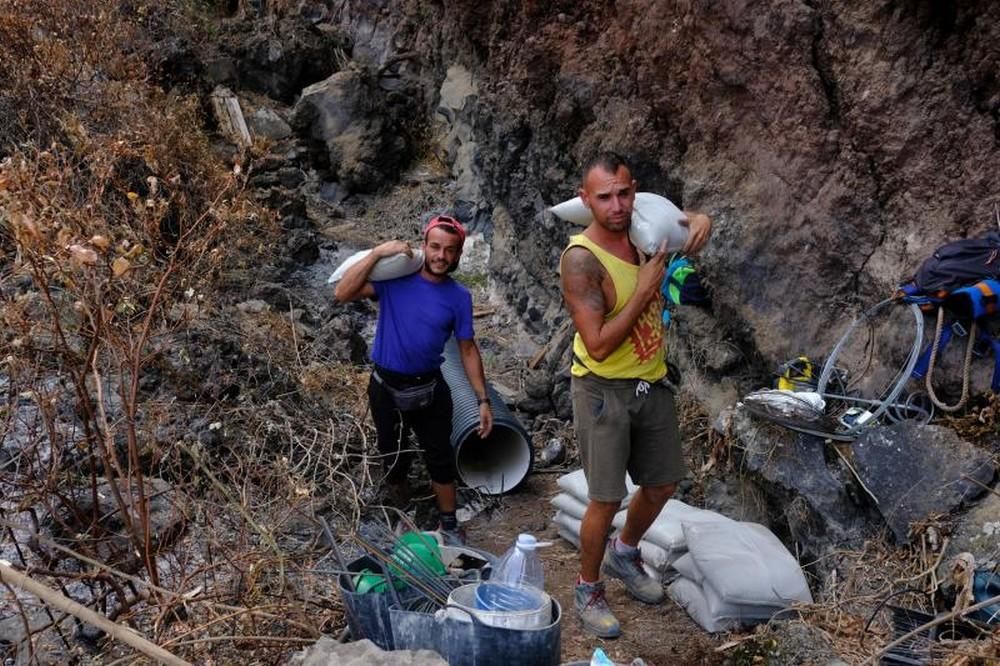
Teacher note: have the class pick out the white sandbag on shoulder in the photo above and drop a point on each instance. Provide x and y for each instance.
(575, 483)
(569, 505)
(387, 268)
(709, 610)
(654, 219)
(667, 530)
(573, 211)
(746, 564)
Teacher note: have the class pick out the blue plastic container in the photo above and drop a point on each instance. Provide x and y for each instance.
(500, 597)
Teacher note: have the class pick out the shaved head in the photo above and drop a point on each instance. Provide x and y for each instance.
(607, 160)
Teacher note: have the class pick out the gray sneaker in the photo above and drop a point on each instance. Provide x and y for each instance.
(594, 612)
(628, 569)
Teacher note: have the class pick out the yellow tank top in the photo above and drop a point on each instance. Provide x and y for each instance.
(642, 354)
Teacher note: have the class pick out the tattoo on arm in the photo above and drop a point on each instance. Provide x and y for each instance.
(582, 277)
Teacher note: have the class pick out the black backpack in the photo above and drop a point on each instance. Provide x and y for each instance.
(952, 266)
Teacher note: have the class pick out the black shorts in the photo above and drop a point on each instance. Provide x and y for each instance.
(431, 425)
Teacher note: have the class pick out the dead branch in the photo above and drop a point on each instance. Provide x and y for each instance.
(49, 596)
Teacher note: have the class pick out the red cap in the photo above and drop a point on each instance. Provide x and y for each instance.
(449, 223)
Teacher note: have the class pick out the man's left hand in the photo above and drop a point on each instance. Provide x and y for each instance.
(485, 421)
(699, 231)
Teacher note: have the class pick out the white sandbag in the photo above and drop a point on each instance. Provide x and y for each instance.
(708, 609)
(667, 530)
(569, 505)
(575, 483)
(746, 564)
(572, 538)
(568, 522)
(387, 268)
(657, 558)
(688, 568)
(573, 211)
(654, 219)
(689, 596)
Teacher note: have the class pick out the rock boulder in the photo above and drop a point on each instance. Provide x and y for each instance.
(916, 471)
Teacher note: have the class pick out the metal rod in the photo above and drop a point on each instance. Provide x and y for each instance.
(415, 581)
(352, 618)
(434, 579)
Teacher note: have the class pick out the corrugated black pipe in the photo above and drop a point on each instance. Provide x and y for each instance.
(500, 462)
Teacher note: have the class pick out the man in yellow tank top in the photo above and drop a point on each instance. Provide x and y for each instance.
(623, 413)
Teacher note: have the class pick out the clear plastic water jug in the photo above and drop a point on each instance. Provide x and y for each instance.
(517, 582)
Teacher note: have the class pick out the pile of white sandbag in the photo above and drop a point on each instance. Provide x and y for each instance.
(725, 573)
(572, 502)
(734, 574)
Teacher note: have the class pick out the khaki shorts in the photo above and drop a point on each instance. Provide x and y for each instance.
(626, 425)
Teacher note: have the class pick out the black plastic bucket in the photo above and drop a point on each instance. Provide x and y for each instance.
(368, 613)
(477, 644)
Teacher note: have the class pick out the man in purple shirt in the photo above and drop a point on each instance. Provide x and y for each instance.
(417, 315)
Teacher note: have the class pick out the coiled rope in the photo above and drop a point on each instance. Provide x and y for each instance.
(966, 368)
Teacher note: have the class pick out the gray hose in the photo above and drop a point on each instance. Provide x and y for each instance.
(899, 382)
(500, 462)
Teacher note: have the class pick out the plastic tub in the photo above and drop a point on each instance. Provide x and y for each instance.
(464, 599)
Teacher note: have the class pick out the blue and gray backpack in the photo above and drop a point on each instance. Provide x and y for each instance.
(962, 278)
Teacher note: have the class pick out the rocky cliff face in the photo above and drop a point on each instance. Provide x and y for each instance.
(835, 145)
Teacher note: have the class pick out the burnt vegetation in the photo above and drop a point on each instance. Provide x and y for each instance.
(136, 477)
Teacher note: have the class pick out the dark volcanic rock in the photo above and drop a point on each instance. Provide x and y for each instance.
(302, 246)
(342, 341)
(535, 405)
(917, 471)
(835, 144)
(107, 533)
(538, 384)
(806, 485)
(279, 60)
(346, 114)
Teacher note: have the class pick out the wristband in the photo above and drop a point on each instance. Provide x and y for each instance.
(483, 401)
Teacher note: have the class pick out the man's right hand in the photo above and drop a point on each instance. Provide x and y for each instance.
(391, 248)
(651, 272)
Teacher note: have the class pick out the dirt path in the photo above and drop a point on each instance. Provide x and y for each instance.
(662, 635)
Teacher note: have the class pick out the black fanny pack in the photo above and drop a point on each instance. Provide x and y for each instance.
(409, 398)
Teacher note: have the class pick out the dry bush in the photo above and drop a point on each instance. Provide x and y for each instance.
(117, 224)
